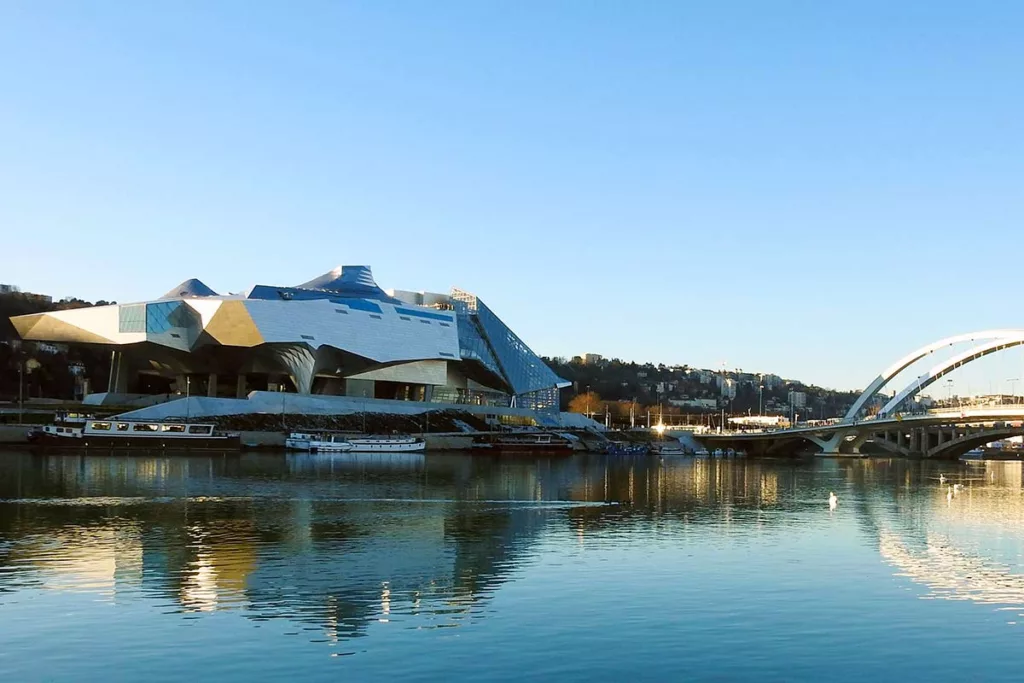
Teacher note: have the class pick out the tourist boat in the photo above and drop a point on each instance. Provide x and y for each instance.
(387, 444)
(532, 443)
(117, 434)
(670, 449)
(317, 443)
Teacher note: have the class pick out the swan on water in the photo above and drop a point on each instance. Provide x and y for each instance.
(833, 500)
(942, 478)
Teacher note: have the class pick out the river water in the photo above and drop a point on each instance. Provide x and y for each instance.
(455, 567)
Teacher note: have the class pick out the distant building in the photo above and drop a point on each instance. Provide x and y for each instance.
(798, 399)
(592, 358)
(770, 381)
(728, 388)
(15, 290)
(694, 403)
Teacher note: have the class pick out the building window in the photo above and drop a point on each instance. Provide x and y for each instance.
(341, 310)
(445, 325)
(402, 317)
(306, 336)
(375, 316)
(425, 322)
(131, 319)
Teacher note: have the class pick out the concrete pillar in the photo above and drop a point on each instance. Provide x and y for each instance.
(240, 387)
(119, 370)
(211, 385)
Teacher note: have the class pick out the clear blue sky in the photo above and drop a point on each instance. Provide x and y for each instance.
(808, 188)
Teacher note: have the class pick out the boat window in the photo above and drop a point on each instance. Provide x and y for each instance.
(199, 429)
(172, 428)
(101, 426)
(122, 426)
(145, 428)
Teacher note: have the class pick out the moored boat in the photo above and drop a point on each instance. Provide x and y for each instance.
(387, 444)
(317, 443)
(623, 448)
(532, 443)
(112, 433)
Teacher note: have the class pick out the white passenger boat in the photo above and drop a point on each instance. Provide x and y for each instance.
(387, 444)
(115, 433)
(317, 443)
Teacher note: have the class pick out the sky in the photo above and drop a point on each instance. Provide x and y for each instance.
(805, 188)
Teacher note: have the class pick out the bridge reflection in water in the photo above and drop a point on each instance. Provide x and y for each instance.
(337, 543)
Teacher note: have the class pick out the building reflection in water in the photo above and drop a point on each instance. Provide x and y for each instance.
(343, 542)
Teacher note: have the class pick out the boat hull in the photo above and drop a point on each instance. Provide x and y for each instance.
(387, 447)
(560, 449)
(136, 443)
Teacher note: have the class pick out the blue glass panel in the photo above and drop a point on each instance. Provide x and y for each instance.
(359, 305)
(158, 316)
(424, 314)
(131, 318)
(471, 344)
(267, 292)
(524, 369)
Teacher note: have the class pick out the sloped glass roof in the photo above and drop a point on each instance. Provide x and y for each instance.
(189, 288)
(349, 281)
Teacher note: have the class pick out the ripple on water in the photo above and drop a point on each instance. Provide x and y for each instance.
(476, 568)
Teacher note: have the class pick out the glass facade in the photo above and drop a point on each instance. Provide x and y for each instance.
(162, 317)
(471, 343)
(483, 335)
(471, 397)
(131, 318)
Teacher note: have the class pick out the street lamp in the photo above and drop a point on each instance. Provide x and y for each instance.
(21, 387)
(760, 399)
(1013, 383)
(588, 400)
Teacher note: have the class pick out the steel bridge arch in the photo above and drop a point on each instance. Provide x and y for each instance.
(998, 340)
(937, 372)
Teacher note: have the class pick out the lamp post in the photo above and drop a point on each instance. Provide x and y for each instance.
(588, 400)
(1013, 383)
(21, 388)
(760, 400)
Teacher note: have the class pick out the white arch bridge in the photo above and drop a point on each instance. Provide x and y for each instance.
(937, 434)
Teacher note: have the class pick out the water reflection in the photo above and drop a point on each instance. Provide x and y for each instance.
(336, 543)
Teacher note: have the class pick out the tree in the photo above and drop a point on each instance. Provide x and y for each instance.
(586, 403)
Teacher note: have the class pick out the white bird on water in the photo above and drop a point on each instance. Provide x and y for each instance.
(942, 478)
(833, 500)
